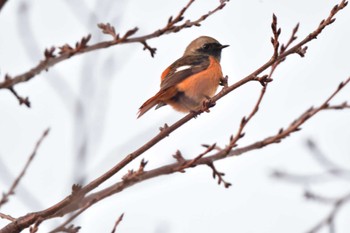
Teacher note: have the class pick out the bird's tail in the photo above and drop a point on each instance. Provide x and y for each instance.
(150, 103)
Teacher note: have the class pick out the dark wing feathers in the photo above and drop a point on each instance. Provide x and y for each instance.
(196, 63)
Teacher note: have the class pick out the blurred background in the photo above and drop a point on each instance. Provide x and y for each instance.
(90, 103)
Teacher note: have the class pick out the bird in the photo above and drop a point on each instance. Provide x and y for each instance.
(191, 80)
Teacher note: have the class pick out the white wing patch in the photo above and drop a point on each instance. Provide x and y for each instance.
(185, 67)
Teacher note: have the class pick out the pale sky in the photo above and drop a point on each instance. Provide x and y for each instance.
(111, 84)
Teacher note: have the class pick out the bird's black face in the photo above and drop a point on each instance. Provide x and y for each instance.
(212, 49)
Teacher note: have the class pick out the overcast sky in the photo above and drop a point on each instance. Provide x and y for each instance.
(91, 102)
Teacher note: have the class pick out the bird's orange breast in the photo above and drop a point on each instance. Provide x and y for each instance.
(203, 84)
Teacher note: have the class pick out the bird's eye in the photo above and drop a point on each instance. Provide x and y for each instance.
(205, 46)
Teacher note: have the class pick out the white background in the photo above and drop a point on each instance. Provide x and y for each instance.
(111, 84)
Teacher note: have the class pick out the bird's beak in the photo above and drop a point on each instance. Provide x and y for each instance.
(223, 46)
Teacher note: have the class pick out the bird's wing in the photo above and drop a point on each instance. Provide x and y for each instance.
(183, 68)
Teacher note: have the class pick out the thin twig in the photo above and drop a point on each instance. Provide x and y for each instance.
(192, 162)
(323, 160)
(66, 51)
(77, 197)
(175, 167)
(329, 219)
(2, 3)
(117, 222)
(8, 217)
(5, 196)
(219, 175)
(342, 106)
(321, 177)
(70, 219)
(245, 121)
(20, 99)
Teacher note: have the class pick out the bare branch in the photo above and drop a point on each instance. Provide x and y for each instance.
(149, 48)
(329, 219)
(323, 160)
(276, 33)
(179, 158)
(8, 217)
(35, 227)
(168, 169)
(117, 222)
(244, 122)
(5, 196)
(221, 154)
(71, 228)
(219, 175)
(342, 106)
(296, 49)
(67, 51)
(192, 162)
(109, 30)
(20, 99)
(2, 3)
(78, 198)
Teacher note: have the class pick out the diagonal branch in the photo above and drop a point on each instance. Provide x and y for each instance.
(117, 223)
(8, 217)
(63, 226)
(245, 121)
(66, 51)
(2, 3)
(20, 99)
(5, 196)
(75, 199)
(329, 166)
(329, 219)
(221, 154)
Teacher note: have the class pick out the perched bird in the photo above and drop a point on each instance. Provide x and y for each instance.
(191, 79)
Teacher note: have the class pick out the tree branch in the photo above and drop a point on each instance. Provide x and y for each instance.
(2, 3)
(221, 154)
(117, 223)
(66, 51)
(5, 196)
(77, 197)
(8, 217)
(329, 219)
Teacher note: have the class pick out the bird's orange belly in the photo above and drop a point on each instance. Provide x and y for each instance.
(196, 89)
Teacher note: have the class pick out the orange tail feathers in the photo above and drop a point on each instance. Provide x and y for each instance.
(150, 103)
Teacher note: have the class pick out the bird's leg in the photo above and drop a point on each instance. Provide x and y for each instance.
(196, 113)
(223, 81)
(207, 103)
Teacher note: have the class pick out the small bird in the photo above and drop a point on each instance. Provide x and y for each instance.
(191, 79)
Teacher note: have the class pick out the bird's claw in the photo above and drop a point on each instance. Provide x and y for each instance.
(206, 104)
